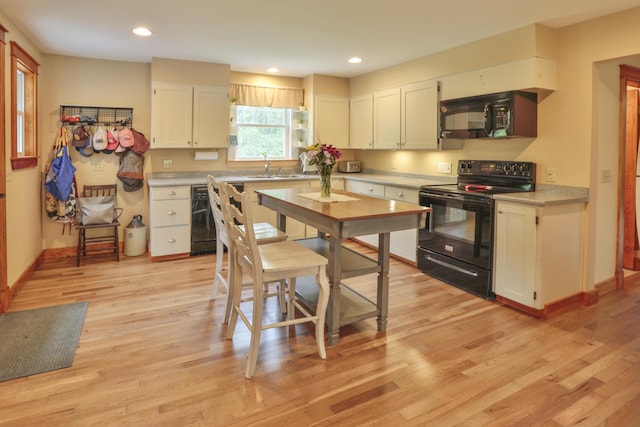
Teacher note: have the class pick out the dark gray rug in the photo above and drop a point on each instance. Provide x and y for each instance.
(39, 340)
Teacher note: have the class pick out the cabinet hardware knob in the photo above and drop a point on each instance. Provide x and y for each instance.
(370, 189)
(499, 212)
(171, 240)
(171, 213)
(171, 193)
(400, 195)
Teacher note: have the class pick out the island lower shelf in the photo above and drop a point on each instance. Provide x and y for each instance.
(353, 306)
(352, 263)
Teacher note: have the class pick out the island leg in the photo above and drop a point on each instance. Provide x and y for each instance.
(384, 240)
(334, 273)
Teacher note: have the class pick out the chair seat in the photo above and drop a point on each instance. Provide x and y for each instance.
(288, 256)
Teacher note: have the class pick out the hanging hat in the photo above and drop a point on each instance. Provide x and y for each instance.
(125, 136)
(140, 142)
(87, 150)
(112, 139)
(99, 139)
(80, 137)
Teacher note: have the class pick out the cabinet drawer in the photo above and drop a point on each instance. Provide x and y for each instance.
(170, 240)
(170, 193)
(368, 188)
(170, 212)
(402, 194)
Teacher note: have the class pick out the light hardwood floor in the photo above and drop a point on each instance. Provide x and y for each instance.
(152, 353)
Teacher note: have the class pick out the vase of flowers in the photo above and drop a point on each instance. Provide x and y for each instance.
(324, 157)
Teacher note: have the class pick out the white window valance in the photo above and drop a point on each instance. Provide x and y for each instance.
(264, 96)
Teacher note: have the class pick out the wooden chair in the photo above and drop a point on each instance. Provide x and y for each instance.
(102, 241)
(265, 233)
(266, 263)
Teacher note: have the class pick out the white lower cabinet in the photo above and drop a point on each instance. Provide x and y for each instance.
(538, 252)
(170, 220)
(403, 243)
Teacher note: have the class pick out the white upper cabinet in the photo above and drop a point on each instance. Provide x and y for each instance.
(401, 118)
(361, 122)
(187, 116)
(331, 120)
(419, 116)
(210, 116)
(386, 119)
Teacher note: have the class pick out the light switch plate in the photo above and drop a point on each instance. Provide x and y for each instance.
(444, 167)
(167, 164)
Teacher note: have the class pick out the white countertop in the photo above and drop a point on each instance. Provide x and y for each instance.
(544, 194)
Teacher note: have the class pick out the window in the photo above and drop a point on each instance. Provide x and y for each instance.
(24, 83)
(262, 131)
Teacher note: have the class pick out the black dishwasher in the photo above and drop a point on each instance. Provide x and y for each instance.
(203, 227)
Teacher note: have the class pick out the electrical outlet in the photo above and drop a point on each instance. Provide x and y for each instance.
(167, 164)
(97, 166)
(551, 175)
(393, 164)
(444, 167)
(606, 176)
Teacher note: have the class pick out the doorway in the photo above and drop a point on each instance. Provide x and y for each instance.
(4, 286)
(629, 182)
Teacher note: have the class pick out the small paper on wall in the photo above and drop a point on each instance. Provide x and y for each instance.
(206, 155)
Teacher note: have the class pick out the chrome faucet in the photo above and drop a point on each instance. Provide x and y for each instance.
(266, 169)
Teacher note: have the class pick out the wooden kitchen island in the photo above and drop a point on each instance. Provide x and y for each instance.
(345, 215)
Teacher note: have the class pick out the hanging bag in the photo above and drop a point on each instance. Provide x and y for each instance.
(98, 210)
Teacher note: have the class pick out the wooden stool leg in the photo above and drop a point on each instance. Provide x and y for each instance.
(236, 289)
(218, 273)
(80, 238)
(321, 309)
(116, 238)
(256, 329)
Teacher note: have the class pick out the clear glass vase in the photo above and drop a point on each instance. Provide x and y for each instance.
(325, 185)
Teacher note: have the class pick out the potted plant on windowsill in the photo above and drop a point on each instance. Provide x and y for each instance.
(302, 123)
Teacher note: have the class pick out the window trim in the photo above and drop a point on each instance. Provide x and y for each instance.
(20, 59)
(289, 136)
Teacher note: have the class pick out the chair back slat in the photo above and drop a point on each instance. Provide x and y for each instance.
(240, 225)
(213, 187)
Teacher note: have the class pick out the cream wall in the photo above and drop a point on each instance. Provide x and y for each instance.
(23, 187)
(91, 82)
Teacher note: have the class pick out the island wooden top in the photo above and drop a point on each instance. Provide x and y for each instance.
(362, 208)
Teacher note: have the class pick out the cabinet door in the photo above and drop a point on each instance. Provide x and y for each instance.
(515, 252)
(361, 122)
(171, 115)
(419, 114)
(331, 121)
(210, 116)
(404, 243)
(386, 119)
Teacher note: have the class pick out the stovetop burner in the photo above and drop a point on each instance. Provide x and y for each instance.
(488, 177)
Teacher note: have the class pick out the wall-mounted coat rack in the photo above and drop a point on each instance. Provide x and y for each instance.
(76, 114)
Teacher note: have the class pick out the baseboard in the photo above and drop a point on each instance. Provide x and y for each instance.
(552, 309)
(14, 290)
(606, 286)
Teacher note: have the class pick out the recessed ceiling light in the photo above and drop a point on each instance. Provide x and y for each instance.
(355, 60)
(142, 31)
(273, 70)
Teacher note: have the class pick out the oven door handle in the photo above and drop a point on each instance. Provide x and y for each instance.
(451, 266)
(441, 196)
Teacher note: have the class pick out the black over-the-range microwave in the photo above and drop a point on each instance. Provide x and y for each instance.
(498, 115)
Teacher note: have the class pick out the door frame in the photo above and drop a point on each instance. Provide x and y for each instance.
(4, 286)
(629, 76)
